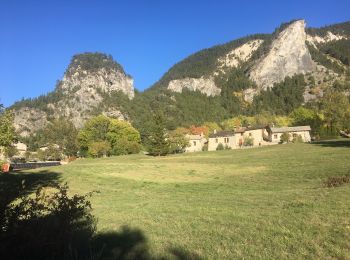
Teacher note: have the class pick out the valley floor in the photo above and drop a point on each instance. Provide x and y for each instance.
(269, 202)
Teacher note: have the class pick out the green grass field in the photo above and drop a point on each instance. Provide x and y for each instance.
(267, 202)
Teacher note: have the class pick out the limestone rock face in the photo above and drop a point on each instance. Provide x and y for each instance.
(113, 113)
(86, 90)
(204, 85)
(28, 119)
(240, 54)
(327, 38)
(103, 79)
(88, 80)
(288, 56)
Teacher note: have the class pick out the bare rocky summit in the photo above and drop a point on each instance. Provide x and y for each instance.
(288, 56)
(85, 84)
(234, 73)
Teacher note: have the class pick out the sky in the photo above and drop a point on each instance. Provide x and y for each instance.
(38, 38)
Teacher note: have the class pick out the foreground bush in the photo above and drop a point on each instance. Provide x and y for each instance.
(52, 225)
(47, 225)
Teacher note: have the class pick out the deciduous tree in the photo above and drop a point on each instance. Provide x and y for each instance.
(7, 129)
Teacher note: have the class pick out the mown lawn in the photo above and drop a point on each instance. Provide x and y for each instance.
(267, 202)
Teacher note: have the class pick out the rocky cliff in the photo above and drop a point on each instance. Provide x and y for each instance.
(288, 55)
(87, 81)
(221, 78)
(204, 85)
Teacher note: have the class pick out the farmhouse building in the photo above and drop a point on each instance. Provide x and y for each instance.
(47, 146)
(274, 133)
(226, 138)
(196, 143)
(256, 136)
(21, 148)
(254, 133)
(239, 137)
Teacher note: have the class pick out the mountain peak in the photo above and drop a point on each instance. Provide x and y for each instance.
(98, 71)
(288, 55)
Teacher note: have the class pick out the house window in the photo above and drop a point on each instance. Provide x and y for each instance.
(275, 136)
(216, 140)
(194, 143)
(226, 139)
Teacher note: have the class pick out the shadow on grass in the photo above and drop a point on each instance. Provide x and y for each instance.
(14, 185)
(62, 226)
(334, 143)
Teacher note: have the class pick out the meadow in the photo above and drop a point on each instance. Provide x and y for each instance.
(266, 202)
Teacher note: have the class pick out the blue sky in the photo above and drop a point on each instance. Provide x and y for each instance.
(38, 38)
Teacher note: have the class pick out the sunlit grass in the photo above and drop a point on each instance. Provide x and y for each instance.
(267, 202)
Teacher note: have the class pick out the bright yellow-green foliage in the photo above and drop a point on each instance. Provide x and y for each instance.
(263, 119)
(211, 127)
(267, 202)
(98, 149)
(337, 110)
(102, 135)
(7, 130)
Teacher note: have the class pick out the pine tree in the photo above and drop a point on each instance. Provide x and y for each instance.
(158, 143)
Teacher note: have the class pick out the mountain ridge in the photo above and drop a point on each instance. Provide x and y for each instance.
(215, 79)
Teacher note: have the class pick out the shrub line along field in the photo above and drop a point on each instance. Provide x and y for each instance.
(268, 202)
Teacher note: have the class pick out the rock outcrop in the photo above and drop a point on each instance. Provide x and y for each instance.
(204, 85)
(28, 120)
(314, 40)
(240, 54)
(288, 56)
(88, 80)
(102, 79)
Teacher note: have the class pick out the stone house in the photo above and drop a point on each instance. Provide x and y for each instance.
(255, 133)
(45, 147)
(237, 138)
(226, 138)
(274, 133)
(21, 148)
(196, 143)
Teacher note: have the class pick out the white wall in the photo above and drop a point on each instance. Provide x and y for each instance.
(225, 141)
(305, 135)
(195, 146)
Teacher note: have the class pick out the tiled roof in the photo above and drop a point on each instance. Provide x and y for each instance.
(195, 137)
(240, 130)
(222, 134)
(290, 129)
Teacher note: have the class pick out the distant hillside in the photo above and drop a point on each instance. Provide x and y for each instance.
(88, 80)
(274, 72)
(234, 78)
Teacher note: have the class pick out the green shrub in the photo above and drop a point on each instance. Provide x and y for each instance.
(297, 139)
(285, 138)
(205, 147)
(248, 141)
(49, 225)
(99, 149)
(227, 147)
(220, 147)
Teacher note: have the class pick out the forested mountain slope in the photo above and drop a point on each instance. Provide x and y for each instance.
(274, 72)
